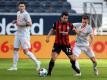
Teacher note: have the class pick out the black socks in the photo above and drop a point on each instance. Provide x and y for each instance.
(51, 65)
(74, 66)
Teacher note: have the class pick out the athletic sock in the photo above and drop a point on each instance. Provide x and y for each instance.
(94, 64)
(74, 66)
(15, 58)
(31, 56)
(51, 65)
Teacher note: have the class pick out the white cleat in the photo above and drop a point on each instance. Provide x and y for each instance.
(38, 64)
(78, 74)
(12, 69)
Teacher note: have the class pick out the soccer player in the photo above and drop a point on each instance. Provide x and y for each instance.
(61, 27)
(22, 37)
(84, 41)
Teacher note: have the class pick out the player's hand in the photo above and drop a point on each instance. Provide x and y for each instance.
(77, 30)
(47, 39)
(20, 24)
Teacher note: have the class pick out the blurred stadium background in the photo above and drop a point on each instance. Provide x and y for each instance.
(44, 13)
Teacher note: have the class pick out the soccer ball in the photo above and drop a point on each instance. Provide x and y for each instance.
(43, 72)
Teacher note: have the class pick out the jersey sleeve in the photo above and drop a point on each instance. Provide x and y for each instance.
(54, 26)
(90, 31)
(27, 18)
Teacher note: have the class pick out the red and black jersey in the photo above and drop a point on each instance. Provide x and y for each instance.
(62, 32)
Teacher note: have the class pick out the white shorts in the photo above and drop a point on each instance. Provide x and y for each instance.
(77, 51)
(24, 42)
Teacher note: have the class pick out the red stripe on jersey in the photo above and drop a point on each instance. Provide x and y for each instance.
(61, 33)
(57, 35)
(63, 36)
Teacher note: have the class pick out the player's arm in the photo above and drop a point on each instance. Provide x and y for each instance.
(49, 34)
(28, 21)
(75, 28)
(91, 36)
(91, 40)
(76, 31)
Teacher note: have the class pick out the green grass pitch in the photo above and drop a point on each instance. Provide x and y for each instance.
(62, 70)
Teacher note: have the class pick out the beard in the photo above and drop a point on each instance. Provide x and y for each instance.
(64, 22)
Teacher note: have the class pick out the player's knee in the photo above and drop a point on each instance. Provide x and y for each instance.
(53, 59)
(93, 59)
(25, 51)
(70, 57)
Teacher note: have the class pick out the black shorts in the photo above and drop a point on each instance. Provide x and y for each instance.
(65, 48)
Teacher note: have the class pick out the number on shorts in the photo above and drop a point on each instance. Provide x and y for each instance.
(68, 50)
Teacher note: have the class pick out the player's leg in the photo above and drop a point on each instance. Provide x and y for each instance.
(72, 58)
(76, 51)
(91, 55)
(55, 52)
(26, 45)
(77, 66)
(16, 55)
(52, 62)
(93, 59)
(32, 56)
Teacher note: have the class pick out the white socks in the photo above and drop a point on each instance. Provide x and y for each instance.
(15, 58)
(31, 56)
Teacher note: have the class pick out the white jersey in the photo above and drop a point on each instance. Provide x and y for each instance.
(82, 37)
(23, 18)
